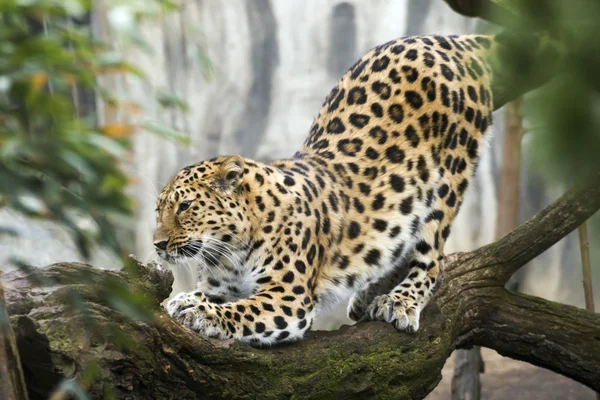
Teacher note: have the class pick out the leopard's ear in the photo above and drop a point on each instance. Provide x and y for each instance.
(229, 175)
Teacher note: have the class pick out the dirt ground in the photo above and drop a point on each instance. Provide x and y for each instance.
(505, 379)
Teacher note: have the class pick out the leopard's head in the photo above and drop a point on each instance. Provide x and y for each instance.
(202, 214)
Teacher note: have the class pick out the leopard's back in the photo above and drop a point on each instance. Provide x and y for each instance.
(402, 131)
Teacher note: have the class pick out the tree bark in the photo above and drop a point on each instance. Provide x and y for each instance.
(12, 385)
(160, 359)
(537, 331)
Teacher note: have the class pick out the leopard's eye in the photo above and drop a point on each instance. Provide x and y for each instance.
(183, 206)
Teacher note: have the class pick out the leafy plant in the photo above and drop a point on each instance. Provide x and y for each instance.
(565, 113)
(56, 161)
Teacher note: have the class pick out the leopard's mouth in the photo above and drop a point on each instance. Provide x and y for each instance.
(206, 253)
(189, 250)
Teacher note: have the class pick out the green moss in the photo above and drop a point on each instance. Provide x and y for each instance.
(60, 336)
(327, 377)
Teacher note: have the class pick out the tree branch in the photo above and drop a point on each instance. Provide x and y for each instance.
(555, 336)
(166, 360)
(161, 359)
(503, 258)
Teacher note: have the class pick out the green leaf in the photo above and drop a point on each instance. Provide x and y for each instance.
(78, 163)
(134, 36)
(112, 147)
(130, 303)
(116, 61)
(207, 68)
(90, 373)
(169, 100)
(33, 205)
(166, 132)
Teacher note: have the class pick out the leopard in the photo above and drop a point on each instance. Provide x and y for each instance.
(361, 211)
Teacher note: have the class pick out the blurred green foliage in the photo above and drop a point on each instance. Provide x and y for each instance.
(56, 162)
(565, 114)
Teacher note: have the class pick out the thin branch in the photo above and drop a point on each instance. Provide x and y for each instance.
(510, 174)
(588, 291)
(584, 246)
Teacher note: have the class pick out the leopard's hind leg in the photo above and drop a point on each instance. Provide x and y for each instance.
(360, 301)
(402, 306)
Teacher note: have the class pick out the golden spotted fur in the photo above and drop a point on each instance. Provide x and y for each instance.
(373, 190)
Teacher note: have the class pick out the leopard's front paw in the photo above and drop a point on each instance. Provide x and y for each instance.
(357, 308)
(395, 310)
(180, 303)
(194, 312)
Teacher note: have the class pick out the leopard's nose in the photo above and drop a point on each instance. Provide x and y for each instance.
(161, 245)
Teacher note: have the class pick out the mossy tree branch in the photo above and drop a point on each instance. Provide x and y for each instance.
(160, 359)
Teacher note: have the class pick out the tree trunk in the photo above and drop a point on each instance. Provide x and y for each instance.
(466, 384)
(469, 364)
(162, 360)
(510, 175)
(12, 385)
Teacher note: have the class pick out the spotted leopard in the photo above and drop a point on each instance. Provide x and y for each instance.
(373, 190)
